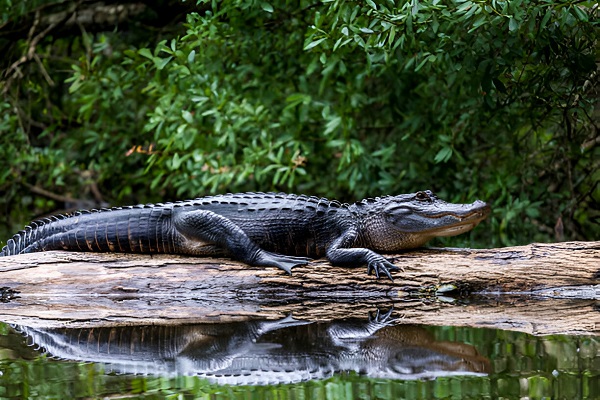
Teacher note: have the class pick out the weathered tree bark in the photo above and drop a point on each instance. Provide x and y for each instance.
(539, 289)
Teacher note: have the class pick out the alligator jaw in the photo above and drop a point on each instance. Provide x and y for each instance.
(478, 214)
(455, 229)
(462, 223)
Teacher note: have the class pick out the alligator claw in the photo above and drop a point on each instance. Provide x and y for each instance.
(382, 319)
(281, 261)
(382, 266)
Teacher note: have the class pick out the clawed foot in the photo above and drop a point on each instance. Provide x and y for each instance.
(382, 266)
(286, 263)
(381, 320)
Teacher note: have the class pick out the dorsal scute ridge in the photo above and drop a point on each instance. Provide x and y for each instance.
(199, 201)
(372, 200)
(245, 199)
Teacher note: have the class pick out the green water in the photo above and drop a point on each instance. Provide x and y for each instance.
(521, 366)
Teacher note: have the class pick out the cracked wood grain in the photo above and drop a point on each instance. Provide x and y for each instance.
(539, 289)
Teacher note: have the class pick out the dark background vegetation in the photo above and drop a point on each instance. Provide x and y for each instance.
(108, 103)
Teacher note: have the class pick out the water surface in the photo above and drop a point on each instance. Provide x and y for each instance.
(375, 358)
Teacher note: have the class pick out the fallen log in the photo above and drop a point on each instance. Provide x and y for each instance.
(538, 289)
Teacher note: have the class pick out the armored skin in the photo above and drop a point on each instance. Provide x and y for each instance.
(261, 229)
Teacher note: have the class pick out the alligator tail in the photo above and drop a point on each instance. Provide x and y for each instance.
(24, 240)
(135, 229)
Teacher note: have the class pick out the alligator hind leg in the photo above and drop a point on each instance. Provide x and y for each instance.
(203, 228)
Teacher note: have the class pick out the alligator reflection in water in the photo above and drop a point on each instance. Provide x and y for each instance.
(265, 352)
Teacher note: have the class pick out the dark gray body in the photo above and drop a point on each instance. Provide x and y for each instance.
(264, 229)
(265, 352)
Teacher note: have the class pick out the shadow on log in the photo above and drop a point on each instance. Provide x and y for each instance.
(538, 289)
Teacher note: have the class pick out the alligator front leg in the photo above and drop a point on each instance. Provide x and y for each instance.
(340, 253)
(204, 229)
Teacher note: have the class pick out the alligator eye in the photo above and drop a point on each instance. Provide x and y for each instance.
(422, 196)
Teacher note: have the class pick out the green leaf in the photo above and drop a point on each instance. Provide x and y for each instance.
(146, 53)
(465, 7)
(546, 18)
(266, 6)
(430, 58)
(333, 124)
(298, 98)
(77, 82)
(579, 13)
(479, 22)
(176, 161)
(313, 44)
(187, 116)
(160, 63)
(443, 155)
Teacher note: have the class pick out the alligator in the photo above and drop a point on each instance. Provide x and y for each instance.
(264, 352)
(260, 229)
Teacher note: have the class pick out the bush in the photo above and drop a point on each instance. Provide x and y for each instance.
(497, 101)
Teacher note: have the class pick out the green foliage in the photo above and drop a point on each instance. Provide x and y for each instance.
(493, 100)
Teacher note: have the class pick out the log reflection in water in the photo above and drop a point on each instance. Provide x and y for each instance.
(265, 352)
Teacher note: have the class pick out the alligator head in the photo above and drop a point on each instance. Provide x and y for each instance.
(410, 220)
